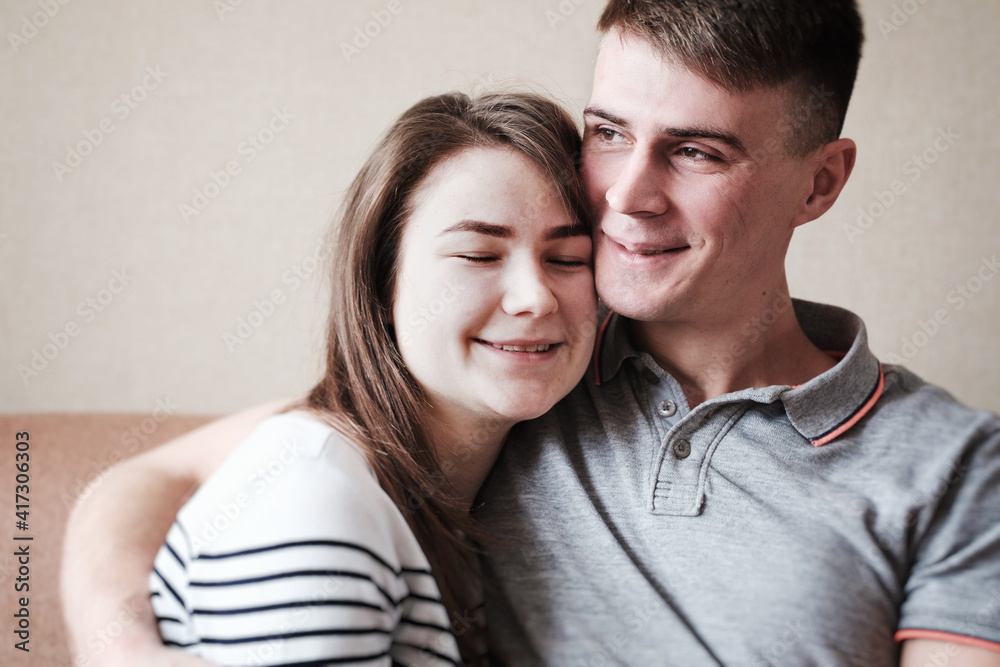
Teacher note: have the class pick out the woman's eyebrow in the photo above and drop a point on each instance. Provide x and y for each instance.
(567, 231)
(507, 232)
(480, 227)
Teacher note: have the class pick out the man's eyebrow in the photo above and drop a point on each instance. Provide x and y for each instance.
(695, 132)
(506, 232)
(606, 115)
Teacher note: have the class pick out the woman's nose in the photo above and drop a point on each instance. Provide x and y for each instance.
(528, 292)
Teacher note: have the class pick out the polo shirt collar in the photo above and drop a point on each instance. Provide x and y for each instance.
(821, 409)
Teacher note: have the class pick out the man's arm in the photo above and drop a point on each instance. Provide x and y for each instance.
(113, 535)
(923, 652)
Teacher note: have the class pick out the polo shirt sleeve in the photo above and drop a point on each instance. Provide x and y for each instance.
(953, 591)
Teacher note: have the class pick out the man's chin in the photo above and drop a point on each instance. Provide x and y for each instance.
(637, 304)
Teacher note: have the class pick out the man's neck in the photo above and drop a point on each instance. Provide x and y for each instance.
(759, 346)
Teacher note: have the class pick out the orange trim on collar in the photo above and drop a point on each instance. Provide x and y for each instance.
(597, 349)
(902, 635)
(857, 415)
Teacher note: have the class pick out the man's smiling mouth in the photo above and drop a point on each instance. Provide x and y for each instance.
(646, 250)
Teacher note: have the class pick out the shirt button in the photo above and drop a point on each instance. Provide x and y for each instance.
(649, 376)
(667, 409)
(682, 449)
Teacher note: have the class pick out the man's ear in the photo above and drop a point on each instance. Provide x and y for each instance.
(832, 167)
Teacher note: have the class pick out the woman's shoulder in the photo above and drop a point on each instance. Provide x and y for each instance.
(298, 478)
(296, 534)
(291, 443)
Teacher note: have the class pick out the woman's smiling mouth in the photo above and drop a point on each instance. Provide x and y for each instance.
(519, 346)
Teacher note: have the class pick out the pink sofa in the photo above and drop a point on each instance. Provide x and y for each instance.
(66, 453)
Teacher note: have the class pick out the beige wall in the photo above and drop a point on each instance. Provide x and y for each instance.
(161, 337)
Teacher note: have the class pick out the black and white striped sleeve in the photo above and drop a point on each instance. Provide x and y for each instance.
(302, 562)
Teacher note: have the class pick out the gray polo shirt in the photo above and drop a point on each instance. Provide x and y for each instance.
(780, 525)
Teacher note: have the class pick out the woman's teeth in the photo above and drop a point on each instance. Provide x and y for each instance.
(522, 348)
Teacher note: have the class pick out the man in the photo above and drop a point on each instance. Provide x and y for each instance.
(738, 481)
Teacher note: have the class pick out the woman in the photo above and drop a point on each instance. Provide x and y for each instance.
(463, 303)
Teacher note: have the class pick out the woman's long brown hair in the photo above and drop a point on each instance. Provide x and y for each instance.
(366, 391)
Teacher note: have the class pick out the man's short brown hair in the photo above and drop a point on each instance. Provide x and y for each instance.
(810, 46)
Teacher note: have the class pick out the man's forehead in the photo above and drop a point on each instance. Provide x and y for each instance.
(633, 78)
(638, 55)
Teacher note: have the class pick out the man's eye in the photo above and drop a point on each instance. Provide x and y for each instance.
(608, 134)
(695, 154)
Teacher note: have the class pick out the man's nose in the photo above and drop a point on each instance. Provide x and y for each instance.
(637, 189)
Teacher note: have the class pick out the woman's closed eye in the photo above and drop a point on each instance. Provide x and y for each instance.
(478, 258)
(570, 262)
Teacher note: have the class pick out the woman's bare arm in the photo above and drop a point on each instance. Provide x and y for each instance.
(113, 535)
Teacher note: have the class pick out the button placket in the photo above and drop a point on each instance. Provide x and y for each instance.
(666, 408)
(679, 469)
(685, 457)
(678, 460)
(682, 449)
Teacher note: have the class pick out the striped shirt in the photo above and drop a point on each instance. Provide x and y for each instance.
(292, 554)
